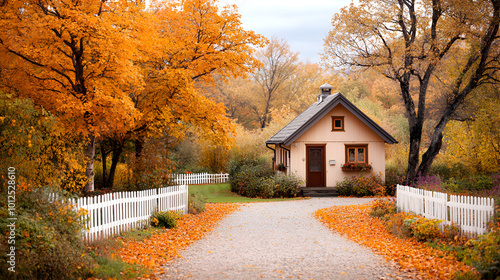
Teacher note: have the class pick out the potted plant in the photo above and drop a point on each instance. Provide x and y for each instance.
(351, 166)
(281, 167)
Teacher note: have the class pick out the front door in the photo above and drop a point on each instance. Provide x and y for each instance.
(315, 166)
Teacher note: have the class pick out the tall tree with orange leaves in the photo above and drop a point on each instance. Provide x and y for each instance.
(194, 40)
(76, 59)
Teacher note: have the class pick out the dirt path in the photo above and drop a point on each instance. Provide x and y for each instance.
(274, 240)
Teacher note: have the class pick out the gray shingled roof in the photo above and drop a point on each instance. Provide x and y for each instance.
(318, 110)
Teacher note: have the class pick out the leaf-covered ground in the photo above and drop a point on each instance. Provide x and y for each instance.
(155, 251)
(413, 257)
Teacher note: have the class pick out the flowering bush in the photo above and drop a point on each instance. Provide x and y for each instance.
(429, 182)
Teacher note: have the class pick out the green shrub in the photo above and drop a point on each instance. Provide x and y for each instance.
(254, 177)
(239, 162)
(196, 203)
(166, 219)
(473, 184)
(382, 208)
(393, 176)
(484, 254)
(445, 172)
(246, 175)
(263, 188)
(409, 225)
(423, 229)
(361, 186)
(48, 242)
(286, 186)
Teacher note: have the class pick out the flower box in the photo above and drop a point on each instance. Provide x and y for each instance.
(356, 167)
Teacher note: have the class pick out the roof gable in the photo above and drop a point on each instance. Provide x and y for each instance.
(317, 111)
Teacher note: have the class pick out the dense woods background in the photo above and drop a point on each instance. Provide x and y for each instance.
(108, 95)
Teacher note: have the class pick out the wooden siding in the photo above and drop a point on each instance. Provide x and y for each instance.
(356, 132)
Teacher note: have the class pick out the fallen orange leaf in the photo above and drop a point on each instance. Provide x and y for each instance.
(355, 223)
(157, 250)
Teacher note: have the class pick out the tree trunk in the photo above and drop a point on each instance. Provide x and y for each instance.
(139, 146)
(414, 154)
(89, 172)
(115, 158)
(432, 152)
(104, 155)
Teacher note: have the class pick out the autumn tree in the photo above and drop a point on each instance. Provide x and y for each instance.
(194, 40)
(304, 85)
(281, 81)
(77, 60)
(236, 95)
(279, 64)
(474, 140)
(39, 147)
(415, 43)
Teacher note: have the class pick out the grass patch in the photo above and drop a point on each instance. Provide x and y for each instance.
(115, 268)
(221, 193)
(109, 265)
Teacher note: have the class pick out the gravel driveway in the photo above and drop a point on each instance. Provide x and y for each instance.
(274, 240)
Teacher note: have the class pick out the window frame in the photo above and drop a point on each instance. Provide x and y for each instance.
(357, 147)
(341, 118)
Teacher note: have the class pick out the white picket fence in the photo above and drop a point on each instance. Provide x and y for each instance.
(471, 213)
(199, 178)
(113, 213)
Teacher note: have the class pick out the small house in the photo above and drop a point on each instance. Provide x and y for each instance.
(329, 141)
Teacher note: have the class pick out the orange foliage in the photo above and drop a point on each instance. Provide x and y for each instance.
(355, 223)
(157, 250)
(75, 59)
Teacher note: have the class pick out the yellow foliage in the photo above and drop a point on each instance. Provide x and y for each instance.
(476, 141)
(39, 148)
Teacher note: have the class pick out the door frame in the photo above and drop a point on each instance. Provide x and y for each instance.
(323, 163)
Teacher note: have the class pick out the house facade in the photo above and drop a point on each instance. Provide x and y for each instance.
(329, 141)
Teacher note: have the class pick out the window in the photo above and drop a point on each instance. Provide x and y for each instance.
(337, 123)
(357, 154)
(284, 156)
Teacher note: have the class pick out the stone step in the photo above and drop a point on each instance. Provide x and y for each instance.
(319, 192)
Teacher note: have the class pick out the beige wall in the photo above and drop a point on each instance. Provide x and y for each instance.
(356, 132)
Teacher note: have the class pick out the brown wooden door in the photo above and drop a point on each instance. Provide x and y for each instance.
(315, 166)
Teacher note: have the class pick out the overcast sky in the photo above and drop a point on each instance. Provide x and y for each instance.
(302, 23)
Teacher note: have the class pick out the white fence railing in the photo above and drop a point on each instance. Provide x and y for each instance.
(113, 213)
(471, 213)
(199, 178)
